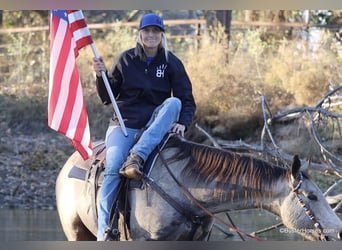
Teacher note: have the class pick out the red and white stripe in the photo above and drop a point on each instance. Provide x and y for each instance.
(66, 107)
(80, 30)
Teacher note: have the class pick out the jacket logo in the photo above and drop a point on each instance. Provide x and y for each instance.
(161, 70)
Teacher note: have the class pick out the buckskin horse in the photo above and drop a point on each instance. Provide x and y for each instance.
(190, 183)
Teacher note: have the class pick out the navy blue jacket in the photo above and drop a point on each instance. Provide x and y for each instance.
(139, 88)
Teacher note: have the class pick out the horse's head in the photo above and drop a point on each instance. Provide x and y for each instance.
(306, 211)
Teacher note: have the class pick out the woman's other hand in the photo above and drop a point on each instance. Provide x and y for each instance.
(178, 129)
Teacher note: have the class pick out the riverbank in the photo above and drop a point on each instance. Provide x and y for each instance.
(29, 166)
(28, 173)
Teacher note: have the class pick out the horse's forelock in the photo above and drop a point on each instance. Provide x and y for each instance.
(226, 168)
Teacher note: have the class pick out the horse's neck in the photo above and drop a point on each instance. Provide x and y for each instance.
(272, 201)
(220, 197)
(237, 197)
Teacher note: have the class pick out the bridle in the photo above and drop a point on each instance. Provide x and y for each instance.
(297, 183)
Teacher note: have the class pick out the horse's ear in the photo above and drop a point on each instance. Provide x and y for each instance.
(295, 166)
(305, 167)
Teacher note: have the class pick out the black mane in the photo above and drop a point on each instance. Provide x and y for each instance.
(208, 164)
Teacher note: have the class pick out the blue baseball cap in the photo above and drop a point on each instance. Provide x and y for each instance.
(151, 19)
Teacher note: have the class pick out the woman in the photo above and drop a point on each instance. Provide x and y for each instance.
(154, 93)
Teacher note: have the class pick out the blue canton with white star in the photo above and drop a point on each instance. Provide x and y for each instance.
(61, 14)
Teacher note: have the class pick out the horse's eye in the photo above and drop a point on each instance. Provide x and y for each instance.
(312, 196)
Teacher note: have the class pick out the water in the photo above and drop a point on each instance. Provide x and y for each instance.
(30, 225)
(253, 220)
(41, 225)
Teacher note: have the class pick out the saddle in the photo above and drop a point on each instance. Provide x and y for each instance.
(92, 174)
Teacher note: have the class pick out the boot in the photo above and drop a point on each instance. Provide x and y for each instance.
(133, 167)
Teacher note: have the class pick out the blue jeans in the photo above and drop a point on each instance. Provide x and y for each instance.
(118, 147)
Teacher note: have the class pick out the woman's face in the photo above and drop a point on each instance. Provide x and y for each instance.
(151, 36)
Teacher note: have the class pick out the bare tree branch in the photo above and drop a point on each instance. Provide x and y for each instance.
(268, 229)
(213, 141)
(317, 114)
(332, 187)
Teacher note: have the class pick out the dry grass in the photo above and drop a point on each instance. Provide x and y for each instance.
(228, 82)
(228, 79)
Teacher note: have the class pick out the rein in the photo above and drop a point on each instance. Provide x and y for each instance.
(308, 212)
(198, 204)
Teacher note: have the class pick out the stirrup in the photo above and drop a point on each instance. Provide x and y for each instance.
(131, 172)
(112, 234)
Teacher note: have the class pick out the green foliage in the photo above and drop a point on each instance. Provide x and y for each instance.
(324, 181)
(25, 18)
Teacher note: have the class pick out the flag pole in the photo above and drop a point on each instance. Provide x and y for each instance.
(110, 93)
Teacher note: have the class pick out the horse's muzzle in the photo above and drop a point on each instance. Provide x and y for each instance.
(332, 238)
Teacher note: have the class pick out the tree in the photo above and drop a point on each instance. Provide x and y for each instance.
(216, 17)
(225, 17)
(0, 19)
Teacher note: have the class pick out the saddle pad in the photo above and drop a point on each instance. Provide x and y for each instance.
(77, 173)
(82, 172)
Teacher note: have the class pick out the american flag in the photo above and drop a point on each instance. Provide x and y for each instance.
(67, 112)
